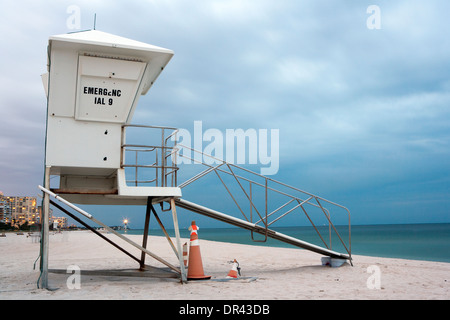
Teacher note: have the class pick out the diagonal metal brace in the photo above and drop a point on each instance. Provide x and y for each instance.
(87, 215)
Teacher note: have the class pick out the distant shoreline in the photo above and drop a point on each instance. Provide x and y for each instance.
(422, 242)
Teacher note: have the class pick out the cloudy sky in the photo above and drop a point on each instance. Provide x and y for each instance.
(363, 113)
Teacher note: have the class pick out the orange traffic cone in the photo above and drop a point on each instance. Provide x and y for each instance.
(234, 270)
(185, 254)
(195, 267)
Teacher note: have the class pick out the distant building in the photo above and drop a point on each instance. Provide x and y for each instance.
(5, 210)
(59, 222)
(18, 210)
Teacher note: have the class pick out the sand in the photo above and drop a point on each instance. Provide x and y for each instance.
(268, 273)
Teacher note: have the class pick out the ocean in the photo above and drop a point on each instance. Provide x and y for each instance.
(430, 242)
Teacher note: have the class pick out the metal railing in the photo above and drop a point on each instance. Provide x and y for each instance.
(294, 199)
(160, 162)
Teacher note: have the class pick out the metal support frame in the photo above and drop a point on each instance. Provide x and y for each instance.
(177, 233)
(146, 225)
(93, 230)
(45, 216)
(180, 271)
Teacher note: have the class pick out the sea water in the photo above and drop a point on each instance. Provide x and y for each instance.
(407, 241)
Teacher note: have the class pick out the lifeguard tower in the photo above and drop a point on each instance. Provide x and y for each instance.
(93, 86)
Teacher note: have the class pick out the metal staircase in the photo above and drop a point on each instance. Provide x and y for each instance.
(259, 200)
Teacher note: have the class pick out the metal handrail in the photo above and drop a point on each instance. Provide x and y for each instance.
(163, 169)
(264, 218)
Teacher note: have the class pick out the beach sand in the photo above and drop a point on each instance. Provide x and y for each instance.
(281, 273)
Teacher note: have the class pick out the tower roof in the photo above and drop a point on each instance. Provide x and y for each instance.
(95, 37)
(113, 46)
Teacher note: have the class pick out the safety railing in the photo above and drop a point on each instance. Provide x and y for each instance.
(153, 162)
(252, 185)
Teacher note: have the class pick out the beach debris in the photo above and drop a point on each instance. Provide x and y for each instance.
(195, 269)
(235, 274)
(235, 270)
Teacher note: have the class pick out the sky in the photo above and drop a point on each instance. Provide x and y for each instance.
(360, 97)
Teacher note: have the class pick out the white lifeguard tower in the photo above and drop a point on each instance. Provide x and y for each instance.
(93, 86)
